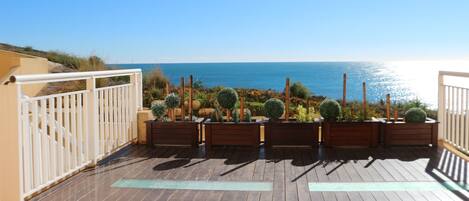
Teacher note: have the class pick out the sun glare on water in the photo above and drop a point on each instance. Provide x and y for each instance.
(421, 77)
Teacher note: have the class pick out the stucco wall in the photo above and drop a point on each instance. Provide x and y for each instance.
(12, 63)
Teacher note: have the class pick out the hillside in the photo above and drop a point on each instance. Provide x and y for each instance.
(76, 63)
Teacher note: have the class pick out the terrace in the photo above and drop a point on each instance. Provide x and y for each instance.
(82, 146)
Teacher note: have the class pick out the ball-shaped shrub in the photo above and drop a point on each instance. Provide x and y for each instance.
(330, 109)
(274, 108)
(415, 115)
(158, 110)
(172, 100)
(227, 98)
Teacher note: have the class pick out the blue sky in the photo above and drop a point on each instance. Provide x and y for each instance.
(134, 31)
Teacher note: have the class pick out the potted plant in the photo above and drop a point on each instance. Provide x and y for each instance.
(302, 131)
(414, 129)
(230, 131)
(347, 130)
(166, 129)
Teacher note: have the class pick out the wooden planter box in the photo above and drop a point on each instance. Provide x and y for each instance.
(228, 133)
(351, 134)
(173, 133)
(291, 134)
(401, 133)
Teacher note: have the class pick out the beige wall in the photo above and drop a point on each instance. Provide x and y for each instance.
(8, 61)
(142, 116)
(12, 63)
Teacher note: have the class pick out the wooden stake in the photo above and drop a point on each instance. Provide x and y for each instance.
(388, 107)
(228, 115)
(241, 109)
(396, 114)
(307, 106)
(190, 98)
(364, 100)
(166, 90)
(344, 95)
(183, 112)
(287, 99)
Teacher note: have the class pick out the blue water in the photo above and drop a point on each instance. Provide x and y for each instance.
(322, 78)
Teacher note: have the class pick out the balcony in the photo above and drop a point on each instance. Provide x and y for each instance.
(82, 145)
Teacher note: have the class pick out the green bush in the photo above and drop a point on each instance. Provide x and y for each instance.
(216, 116)
(305, 114)
(203, 99)
(155, 79)
(236, 116)
(227, 98)
(330, 110)
(274, 108)
(64, 59)
(158, 110)
(299, 90)
(247, 115)
(256, 108)
(415, 115)
(172, 100)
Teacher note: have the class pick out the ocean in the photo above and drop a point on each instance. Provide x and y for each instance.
(403, 80)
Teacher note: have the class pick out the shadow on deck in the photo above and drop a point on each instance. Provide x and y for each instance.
(291, 172)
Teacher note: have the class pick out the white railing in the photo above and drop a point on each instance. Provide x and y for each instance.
(60, 134)
(453, 109)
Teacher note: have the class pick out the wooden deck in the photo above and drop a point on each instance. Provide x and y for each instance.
(289, 170)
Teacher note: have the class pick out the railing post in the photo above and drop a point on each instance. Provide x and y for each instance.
(136, 101)
(11, 177)
(93, 132)
(441, 106)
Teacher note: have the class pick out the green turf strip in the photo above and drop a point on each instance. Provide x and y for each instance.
(386, 186)
(193, 185)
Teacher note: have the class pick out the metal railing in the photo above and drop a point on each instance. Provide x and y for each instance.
(60, 134)
(453, 110)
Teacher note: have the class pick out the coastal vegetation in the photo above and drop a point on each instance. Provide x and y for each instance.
(154, 86)
(302, 99)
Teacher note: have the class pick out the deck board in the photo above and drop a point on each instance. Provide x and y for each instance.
(289, 170)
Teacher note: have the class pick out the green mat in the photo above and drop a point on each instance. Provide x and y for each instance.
(386, 186)
(193, 185)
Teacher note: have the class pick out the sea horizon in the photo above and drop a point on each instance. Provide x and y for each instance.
(404, 80)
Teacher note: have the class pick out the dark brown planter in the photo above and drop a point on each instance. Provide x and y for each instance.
(173, 133)
(401, 133)
(291, 134)
(228, 133)
(350, 134)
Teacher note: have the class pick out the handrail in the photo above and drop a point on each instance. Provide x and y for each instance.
(453, 73)
(60, 77)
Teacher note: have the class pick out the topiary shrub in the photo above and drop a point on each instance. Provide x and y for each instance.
(227, 98)
(158, 110)
(172, 100)
(330, 109)
(274, 108)
(415, 115)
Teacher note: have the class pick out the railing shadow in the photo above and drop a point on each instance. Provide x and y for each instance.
(448, 166)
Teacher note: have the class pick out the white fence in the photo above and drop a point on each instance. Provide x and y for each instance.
(60, 134)
(453, 109)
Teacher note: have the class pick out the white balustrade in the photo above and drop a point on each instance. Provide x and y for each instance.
(453, 110)
(60, 134)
